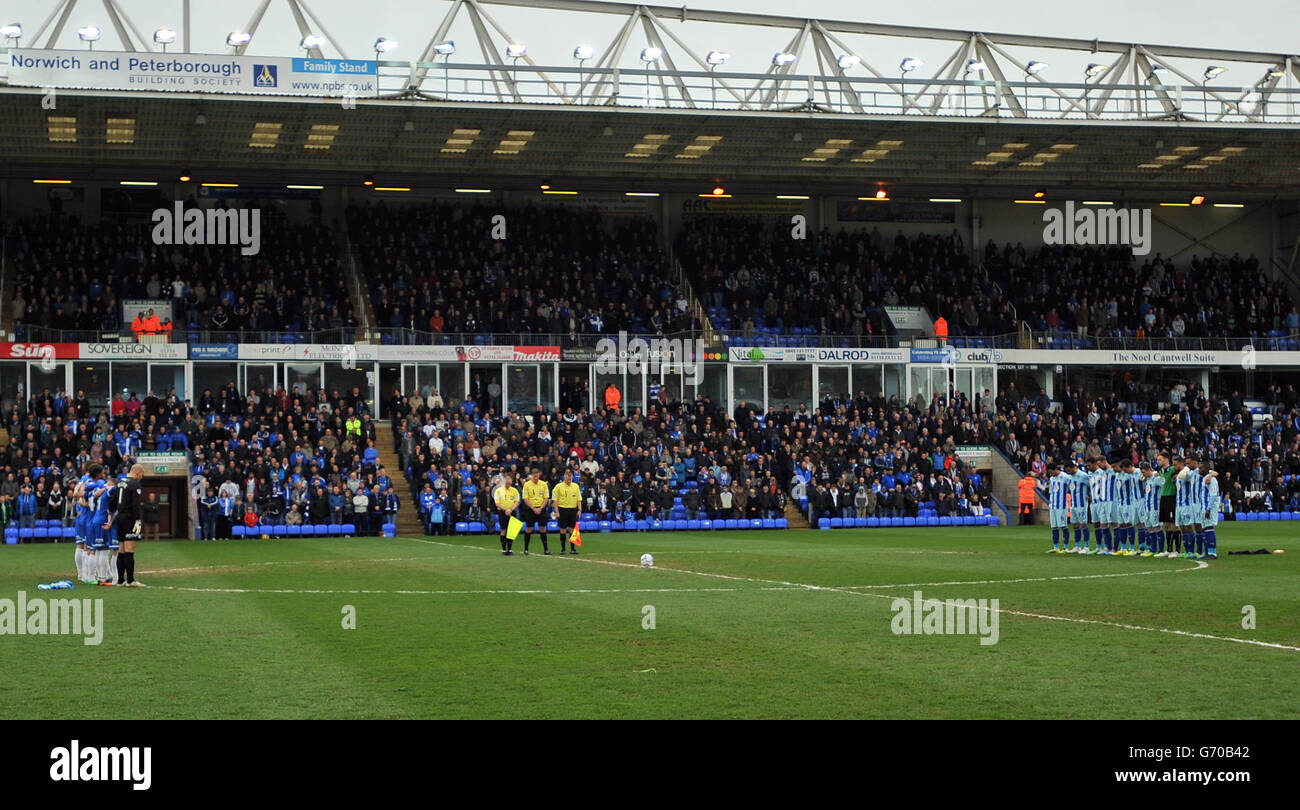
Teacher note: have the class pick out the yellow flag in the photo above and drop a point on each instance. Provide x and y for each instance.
(514, 527)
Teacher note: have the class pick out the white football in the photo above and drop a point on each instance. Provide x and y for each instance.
(647, 560)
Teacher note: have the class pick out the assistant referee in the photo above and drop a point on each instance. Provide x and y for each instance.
(537, 498)
(506, 498)
(568, 496)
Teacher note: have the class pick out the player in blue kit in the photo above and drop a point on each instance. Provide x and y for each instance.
(1210, 497)
(1058, 500)
(1078, 505)
(82, 515)
(97, 535)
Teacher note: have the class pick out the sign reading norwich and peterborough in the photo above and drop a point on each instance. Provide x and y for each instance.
(193, 73)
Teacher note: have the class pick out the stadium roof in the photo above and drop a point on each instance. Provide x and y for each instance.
(1143, 122)
(430, 144)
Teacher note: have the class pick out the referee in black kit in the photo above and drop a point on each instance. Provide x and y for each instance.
(126, 517)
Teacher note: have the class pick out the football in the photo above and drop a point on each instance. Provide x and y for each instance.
(647, 560)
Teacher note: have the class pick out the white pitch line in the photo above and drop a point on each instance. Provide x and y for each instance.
(316, 561)
(1200, 566)
(469, 592)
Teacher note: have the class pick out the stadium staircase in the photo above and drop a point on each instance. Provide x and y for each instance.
(796, 518)
(408, 516)
(357, 289)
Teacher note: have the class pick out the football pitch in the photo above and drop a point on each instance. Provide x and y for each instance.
(775, 624)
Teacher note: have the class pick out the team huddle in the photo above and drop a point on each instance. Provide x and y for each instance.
(107, 526)
(1167, 510)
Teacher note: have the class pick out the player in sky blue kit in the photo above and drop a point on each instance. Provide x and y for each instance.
(1058, 500)
(1188, 508)
(1125, 507)
(1210, 496)
(1098, 506)
(1153, 530)
(1078, 505)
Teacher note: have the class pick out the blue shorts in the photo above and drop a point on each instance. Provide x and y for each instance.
(1079, 515)
(1125, 514)
(1058, 518)
(112, 537)
(1213, 520)
(1187, 516)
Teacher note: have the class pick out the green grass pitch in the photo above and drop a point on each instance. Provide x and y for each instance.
(746, 625)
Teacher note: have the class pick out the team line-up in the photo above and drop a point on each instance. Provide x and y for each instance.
(1167, 510)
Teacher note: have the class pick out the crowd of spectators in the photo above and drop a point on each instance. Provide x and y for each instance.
(752, 275)
(1108, 292)
(553, 270)
(72, 276)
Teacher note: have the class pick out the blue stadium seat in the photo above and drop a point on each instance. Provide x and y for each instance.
(629, 525)
(706, 525)
(932, 521)
(551, 526)
(1245, 516)
(462, 527)
(279, 531)
(836, 523)
(588, 517)
(351, 528)
(729, 523)
(782, 523)
(320, 529)
(41, 533)
(390, 530)
(12, 531)
(755, 523)
(656, 525)
(873, 523)
(69, 532)
(824, 524)
(293, 531)
(909, 521)
(238, 531)
(335, 529)
(476, 527)
(896, 522)
(991, 520)
(604, 526)
(968, 520)
(769, 523)
(643, 525)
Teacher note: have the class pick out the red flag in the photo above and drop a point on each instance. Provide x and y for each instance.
(576, 539)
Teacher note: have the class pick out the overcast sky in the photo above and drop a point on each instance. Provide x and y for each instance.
(551, 36)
